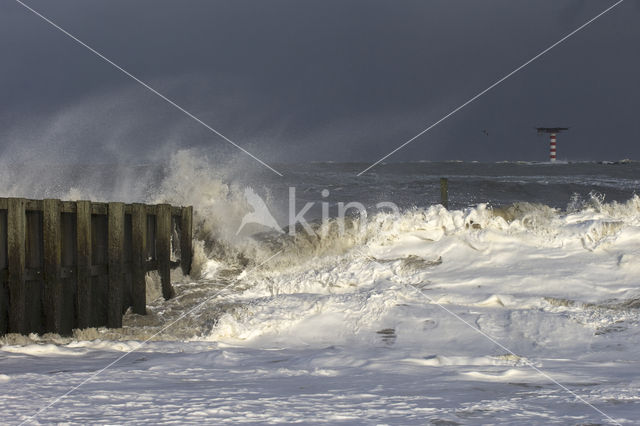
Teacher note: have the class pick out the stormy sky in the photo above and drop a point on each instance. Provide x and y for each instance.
(327, 80)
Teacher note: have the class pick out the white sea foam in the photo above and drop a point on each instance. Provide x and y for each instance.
(389, 320)
(470, 258)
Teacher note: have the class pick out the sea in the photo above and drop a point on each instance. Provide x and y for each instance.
(332, 296)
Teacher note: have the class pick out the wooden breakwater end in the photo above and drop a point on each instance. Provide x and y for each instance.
(78, 264)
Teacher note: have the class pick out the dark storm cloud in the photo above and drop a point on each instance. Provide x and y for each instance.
(320, 80)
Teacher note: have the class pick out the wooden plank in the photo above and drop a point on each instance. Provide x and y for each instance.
(4, 303)
(68, 207)
(33, 205)
(34, 262)
(115, 252)
(53, 289)
(83, 263)
(151, 235)
(67, 270)
(16, 220)
(163, 247)
(127, 294)
(186, 237)
(3, 203)
(33, 274)
(4, 291)
(139, 248)
(100, 279)
(3, 239)
(99, 270)
(99, 208)
(69, 240)
(34, 242)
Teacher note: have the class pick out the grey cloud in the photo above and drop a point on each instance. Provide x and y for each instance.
(322, 80)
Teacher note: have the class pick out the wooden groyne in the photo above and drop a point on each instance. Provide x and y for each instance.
(78, 264)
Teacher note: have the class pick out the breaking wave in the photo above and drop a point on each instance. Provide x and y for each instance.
(381, 279)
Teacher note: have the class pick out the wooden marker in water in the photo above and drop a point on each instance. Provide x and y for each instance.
(444, 192)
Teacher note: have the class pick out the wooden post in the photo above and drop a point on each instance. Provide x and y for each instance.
(139, 261)
(83, 263)
(3, 239)
(99, 267)
(186, 236)
(53, 290)
(444, 192)
(127, 283)
(68, 262)
(151, 237)
(115, 253)
(4, 303)
(16, 219)
(163, 247)
(35, 287)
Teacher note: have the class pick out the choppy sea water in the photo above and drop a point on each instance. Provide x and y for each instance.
(518, 304)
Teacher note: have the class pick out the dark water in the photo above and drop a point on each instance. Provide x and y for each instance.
(418, 184)
(407, 185)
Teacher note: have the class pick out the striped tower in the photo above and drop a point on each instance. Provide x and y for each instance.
(552, 131)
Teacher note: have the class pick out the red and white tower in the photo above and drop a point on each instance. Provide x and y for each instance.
(553, 131)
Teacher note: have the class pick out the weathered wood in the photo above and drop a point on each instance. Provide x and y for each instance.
(127, 285)
(34, 244)
(68, 239)
(163, 247)
(3, 239)
(115, 253)
(68, 206)
(151, 235)
(34, 273)
(4, 291)
(186, 235)
(67, 264)
(16, 220)
(100, 208)
(99, 270)
(444, 192)
(139, 248)
(35, 205)
(53, 290)
(83, 263)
